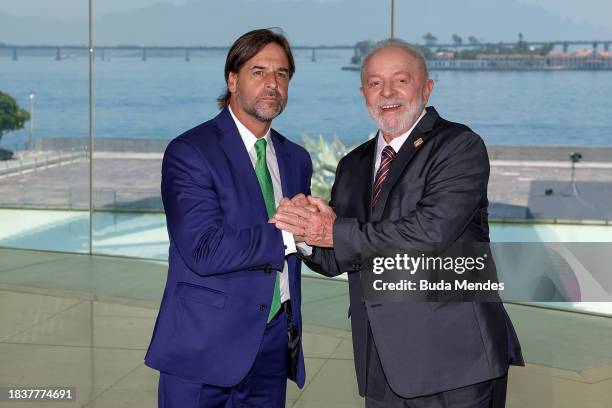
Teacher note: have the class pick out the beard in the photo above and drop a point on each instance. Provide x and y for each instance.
(392, 124)
(262, 110)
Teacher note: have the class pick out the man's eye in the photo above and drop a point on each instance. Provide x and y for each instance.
(258, 73)
(375, 84)
(282, 75)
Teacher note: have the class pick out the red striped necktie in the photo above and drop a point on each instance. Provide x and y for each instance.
(388, 154)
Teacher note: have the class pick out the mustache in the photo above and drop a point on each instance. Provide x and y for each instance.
(270, 93)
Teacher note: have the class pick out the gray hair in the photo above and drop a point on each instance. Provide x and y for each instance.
(412, 50)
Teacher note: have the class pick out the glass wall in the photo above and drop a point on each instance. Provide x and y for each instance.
(529, 77)
(522, 89)
(146, 95)
(159, 68)
(44, 181)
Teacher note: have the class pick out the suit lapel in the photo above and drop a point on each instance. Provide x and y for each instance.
(370, 159)
(289, 187)
(419, 136)
(361, 185)
(239, 159)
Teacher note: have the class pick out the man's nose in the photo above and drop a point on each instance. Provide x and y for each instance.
(387, 89)
(271, 81)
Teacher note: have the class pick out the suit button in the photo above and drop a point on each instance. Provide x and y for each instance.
(263, 307)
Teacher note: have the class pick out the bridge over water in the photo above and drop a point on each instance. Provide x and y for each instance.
(145, 51)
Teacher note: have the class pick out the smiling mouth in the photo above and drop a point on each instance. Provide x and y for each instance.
(390, 107)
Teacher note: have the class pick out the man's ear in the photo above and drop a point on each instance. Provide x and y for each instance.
(232, 79)
(427, 88)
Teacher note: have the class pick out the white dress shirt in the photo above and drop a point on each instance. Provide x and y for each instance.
(396, 143)
(249, 140)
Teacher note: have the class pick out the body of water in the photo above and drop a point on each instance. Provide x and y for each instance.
(162, 97)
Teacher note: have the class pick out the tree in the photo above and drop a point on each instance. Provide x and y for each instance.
(427, 53)
(473, 40)
(521, 43)
(12, 117)
(430, 39)
(457, 40)
(545, 49)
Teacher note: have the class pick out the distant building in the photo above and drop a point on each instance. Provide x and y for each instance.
(496, 62)
(554, 60)
(583, 59)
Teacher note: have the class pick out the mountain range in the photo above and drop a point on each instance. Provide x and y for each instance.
(306, 22)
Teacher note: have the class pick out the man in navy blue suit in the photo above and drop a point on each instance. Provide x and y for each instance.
(229, 327)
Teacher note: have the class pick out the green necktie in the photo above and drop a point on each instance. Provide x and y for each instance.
(265, 182)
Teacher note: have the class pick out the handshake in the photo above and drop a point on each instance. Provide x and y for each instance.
(309, 219)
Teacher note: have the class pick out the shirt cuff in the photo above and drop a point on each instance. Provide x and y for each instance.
(289, 243)
(304, 249)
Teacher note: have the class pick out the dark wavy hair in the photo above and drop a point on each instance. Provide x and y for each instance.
(245, 48)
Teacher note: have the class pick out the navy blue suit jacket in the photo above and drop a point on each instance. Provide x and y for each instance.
(222, 254)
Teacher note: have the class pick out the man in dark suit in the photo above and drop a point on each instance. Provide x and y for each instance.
(422, 180)
(229, 325)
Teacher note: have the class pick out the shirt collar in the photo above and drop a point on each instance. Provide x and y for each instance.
(248, 138)
(396, 142)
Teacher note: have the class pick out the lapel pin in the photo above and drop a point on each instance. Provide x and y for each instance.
(418, 142)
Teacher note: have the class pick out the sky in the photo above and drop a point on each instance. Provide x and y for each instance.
(74, 9)
(308, 22)
(597, 12)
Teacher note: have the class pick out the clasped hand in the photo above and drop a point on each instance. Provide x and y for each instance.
(309, 219)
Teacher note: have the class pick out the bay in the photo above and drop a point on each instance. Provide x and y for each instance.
(162, 97)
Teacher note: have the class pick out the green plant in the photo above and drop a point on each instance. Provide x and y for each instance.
(325, 157)
(5, 154)
(12, 117)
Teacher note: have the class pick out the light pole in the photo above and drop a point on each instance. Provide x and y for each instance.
(392, 18)
(32, 96)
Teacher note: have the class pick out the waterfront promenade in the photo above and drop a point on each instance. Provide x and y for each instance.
(130, 181)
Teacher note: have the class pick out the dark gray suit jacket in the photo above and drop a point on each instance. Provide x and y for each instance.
(435, 192)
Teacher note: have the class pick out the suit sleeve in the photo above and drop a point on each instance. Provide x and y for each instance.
(456, 187)
(207, 242)
(323, 260)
